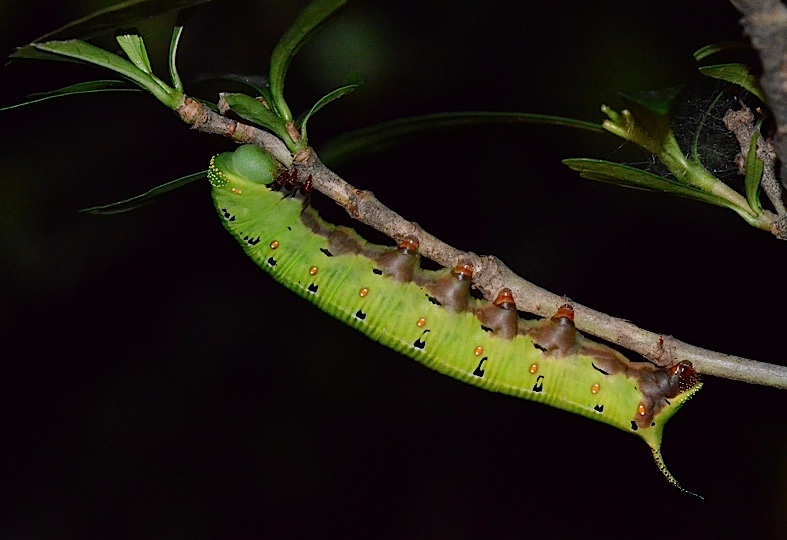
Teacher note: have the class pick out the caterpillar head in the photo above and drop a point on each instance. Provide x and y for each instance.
(687, 376)
(248, 163)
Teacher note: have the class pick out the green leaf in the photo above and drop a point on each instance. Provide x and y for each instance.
(183, 16)
(737, 74)
(305, 26)
(627, 176)
(256, 112)
(85, 52)
(109, 19)
(716, 48)
(322, 102)
(754, 170)
(134, 47)
(90, 87)
(386, 135)
(29, 52)
(132, 203)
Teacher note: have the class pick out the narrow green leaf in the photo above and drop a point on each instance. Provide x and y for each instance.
(134, 47)
(109, 19)
(132, 203)
(322, 102)
(85, 52)
(754, 170)
(627, 176)
(305, 26)
(256, 112)
(174, 42)
(90, 87)
(737, 74)
(30, 52)
(716, 48)
(380, 137)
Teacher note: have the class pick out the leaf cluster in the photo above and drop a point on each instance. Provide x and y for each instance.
(645, 121)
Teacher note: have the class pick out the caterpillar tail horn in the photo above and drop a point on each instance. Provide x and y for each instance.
(659, 459)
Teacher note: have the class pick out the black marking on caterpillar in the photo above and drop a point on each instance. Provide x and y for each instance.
(479, 371)
(419, 343)
(638, 396)
(598, 369)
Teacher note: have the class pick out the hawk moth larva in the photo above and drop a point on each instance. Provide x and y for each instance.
(430, 316)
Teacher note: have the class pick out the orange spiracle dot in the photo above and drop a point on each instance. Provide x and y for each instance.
(274, 244)
(641, 409)
(420, 323)
(236, 191)
(595, 388)
(534, 368)
(478, 351)
(363, 292)
(505, 299)
(313, 270)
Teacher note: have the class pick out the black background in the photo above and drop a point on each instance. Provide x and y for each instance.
(156, 384)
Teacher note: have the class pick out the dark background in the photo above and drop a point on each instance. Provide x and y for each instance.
(156, 384)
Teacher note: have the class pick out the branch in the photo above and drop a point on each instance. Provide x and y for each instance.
(490, 274)
(765, 22)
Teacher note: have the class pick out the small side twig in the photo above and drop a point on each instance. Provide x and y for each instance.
(490, 273)
(741, 124)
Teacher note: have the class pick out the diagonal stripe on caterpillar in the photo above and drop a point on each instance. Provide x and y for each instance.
(430, 316)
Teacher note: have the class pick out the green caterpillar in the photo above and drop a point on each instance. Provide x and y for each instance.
(430, 316)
